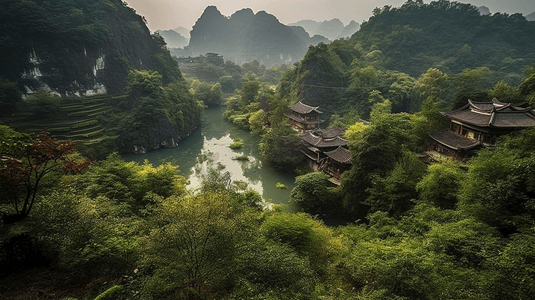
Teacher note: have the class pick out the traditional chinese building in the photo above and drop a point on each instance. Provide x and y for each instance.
(327, 151)
(478, 124)
(304, 117)
(337, 162)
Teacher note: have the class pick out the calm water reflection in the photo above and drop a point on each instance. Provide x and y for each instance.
(213, 140)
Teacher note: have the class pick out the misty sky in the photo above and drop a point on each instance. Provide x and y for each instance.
(167, 14)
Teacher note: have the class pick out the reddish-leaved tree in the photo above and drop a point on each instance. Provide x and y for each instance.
(22, 171)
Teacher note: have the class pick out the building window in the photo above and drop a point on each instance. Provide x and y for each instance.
(455, 127)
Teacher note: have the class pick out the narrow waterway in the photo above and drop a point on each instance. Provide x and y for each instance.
(209, 146)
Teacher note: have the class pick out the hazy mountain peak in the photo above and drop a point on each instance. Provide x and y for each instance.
(531, 17)
(331, 29)
(350, 29)
(483, 10)
(243, 13)
(183, 31)
(211, 12)
(173, 38)
(245, 35)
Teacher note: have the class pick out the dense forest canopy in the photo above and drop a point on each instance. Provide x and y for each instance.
(448, 35)
(396, 46)
(109, 229)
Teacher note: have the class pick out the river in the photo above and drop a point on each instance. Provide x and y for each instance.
(212, 140)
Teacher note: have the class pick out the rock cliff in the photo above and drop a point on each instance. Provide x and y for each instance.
(74, 47)
(80, 48)
(246, 35)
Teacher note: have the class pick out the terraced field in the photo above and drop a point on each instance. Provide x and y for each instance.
(77, 120)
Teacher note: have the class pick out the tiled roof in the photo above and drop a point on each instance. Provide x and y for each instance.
(453, 140)
(332, 132)
(340, 154)
(304, 109)
(321, 142)
(493, 114)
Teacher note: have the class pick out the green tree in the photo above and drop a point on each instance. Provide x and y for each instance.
(345, 121)
(433, 83)
(131, 183)
(228, 84)
(396, 192)
(527, 87)
(440, 185)
(257, 122)
(515, 275)
(280, 148)
(375, 154)
(499, 186)
(380, 109)
(472, 84)
(271, 270)
(142, 83)
(313, 194)
(253, 67)
(308, 237)
(209, 94)
(249, 90)
(355, 131)
(194, 244)
(503, 92)
(469, 242)
(93, 236)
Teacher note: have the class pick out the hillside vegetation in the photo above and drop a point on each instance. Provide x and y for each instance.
(109, 229)
(398, 46)
(119, 87)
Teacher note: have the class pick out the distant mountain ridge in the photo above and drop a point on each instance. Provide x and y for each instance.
(183, 31)
(173, 38)
(331, 29)
(531, 16)
(246, 35)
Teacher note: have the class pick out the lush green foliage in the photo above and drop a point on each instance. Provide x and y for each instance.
(236, 144)
(149, 104)
(438, 231)
(209, 94)
(313, 195)
(442, 52)
(448, 233)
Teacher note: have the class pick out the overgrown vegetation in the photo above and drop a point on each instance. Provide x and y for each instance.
(439, 231)
(138, 226)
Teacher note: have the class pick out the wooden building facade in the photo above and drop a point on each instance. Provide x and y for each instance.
(477, 125)
(327, 152)
(337, 162)
(303, 117)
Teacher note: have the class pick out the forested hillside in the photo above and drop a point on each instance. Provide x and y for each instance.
(73, 227)
(396, 46)
(74, 46)
(57, 54)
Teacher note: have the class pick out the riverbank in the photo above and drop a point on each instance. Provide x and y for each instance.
(210, 145)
